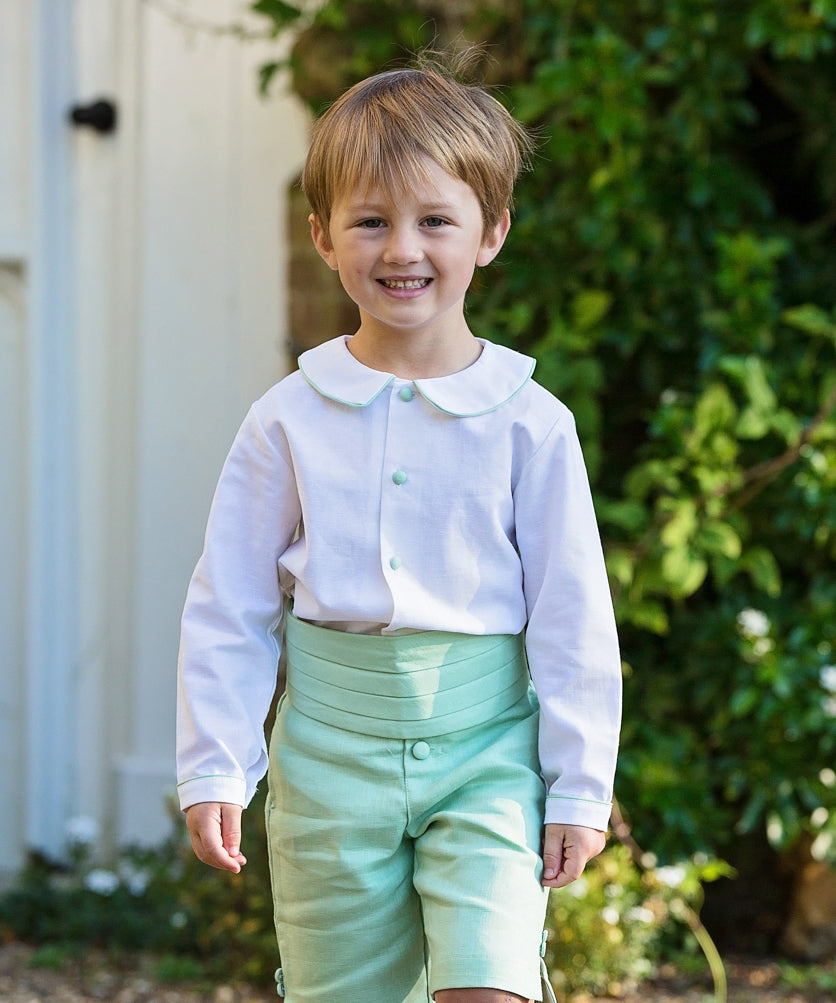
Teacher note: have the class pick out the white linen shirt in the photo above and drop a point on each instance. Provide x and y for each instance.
(456, 504)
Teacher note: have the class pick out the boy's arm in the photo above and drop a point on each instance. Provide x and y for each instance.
(229, 649)
(571, 639)
(215, 830)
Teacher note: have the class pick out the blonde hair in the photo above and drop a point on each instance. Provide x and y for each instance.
(378, 134)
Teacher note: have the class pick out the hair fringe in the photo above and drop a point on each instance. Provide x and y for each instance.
(424, 116)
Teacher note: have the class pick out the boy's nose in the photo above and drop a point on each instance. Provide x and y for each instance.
(403, 247)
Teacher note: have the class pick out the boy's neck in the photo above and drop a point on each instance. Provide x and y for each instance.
(414, 356)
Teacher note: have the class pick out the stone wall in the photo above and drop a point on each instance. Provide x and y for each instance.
(319, 307)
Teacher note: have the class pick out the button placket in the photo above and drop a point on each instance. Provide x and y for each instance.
(396, 442)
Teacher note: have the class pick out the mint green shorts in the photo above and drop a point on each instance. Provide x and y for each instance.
(405, 863)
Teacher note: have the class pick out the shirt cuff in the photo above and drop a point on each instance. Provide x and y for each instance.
(578, 811)
(227, 790)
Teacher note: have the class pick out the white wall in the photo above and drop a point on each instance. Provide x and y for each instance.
(14, 113)
(212, 313)
(142, 307)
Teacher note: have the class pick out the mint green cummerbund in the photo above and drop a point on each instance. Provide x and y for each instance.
(405, 686)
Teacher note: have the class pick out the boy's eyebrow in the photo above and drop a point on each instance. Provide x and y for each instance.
(363, 206)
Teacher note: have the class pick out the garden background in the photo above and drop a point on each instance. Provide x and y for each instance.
(672, 267)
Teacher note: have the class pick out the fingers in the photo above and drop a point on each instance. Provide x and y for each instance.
(231, 830)
(566, 850)
(215, 831)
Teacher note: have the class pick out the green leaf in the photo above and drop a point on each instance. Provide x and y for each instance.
(682, 524)
(266, 72)
(788, 425)
(812, 320)
(744, 700)
(280, 13)
(625, 513)
(750, 373)
(762, 568)
(654, 475)
(646, 614)
(752, 424)
(620, 567)
(589, 307)
(752, 812)
(684, 571)
(719, 538)
(714, 409)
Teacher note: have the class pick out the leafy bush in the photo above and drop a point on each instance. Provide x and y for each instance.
(610, 929)
(672, 267)
(161, 900)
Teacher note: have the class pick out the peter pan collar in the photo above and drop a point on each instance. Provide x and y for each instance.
(494, 378)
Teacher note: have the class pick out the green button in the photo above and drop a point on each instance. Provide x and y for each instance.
(395, 563)
(420, 750)
(399, 477)
(406, 393)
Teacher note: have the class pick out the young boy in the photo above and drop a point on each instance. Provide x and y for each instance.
(414, 510)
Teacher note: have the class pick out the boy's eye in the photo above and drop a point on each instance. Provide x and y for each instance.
(434, 221)
(370, 224)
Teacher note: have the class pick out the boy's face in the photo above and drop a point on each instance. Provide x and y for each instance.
(407, 262)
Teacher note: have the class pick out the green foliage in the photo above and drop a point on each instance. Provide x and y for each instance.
(609, 930)
(162, 900)
(672, 267)
(820, 980)
(606, 931)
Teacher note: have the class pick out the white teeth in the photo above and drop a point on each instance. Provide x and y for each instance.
(405, 283)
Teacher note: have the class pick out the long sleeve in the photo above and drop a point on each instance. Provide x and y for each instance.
(455, 504)
(571, 637)
(229, 647)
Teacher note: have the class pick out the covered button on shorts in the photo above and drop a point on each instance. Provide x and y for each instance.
(404, 817)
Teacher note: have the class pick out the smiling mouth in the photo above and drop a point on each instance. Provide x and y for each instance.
(405, 283)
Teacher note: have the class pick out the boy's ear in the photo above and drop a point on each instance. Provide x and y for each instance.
(322, 241)
(493, 240)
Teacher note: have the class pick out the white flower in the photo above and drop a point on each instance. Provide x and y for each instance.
(82, 831)
(672, 876)
(578, 888)
(827, 678)
(762, 646)
(821, 846)
(774, 830)
(753, 623)
(641, 915)
(135, 879)
(610, 915)
(101, 882)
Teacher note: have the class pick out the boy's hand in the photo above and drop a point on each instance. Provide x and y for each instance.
(566, 850)
(215, 829)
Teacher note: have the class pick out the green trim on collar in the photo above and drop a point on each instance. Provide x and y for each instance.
(342, 400)
(493, 380)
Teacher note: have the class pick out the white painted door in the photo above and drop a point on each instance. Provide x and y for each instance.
(142, 307)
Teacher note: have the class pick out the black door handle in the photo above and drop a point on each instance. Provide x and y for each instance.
(100, 115)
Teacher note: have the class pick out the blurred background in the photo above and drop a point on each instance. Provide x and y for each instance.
(672, 267)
